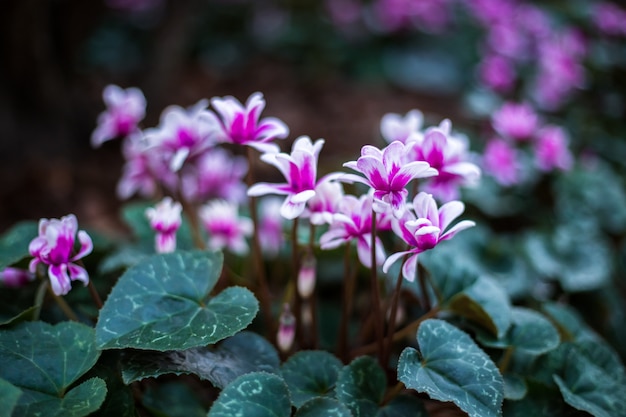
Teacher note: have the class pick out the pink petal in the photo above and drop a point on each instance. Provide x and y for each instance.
(363, 250)
(426, 208)
(465, 224)
(86, 245)
(409, 269)
(333, 239)
(393, 259)
(263, 188)
(412, 170)
(292, 209)
(448, 212)
(272, 128)
(303, 197)
(59, 280)
(374, 170)
(78, 273)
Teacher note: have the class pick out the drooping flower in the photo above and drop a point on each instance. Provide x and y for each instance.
(551, 149)
(241, 125)
(394, 126)
(501, 161)
(300, 170)
(424, 229)
(125, 109)
(183, 134)
(353, 221)
(515, 120)
(15, 277)
(165, 219)
(270, 226)
(323, 205)
(55, 247)
(387, 172)
(286, 329)
(226, 229)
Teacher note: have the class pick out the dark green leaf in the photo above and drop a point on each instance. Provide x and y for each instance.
(451, 367)
(9, 394)
(256, 394)
(403, 406)
(14, 243)
(26, 315)
(323, 407)
(240, 354)
(163, 303)
(514, 387)
(361, 386)
(540, 401)
(310, 374)
(173, 399)
(119, 401)
(571, 325)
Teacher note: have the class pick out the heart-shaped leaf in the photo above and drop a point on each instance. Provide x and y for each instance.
(173, 399)
(9, 394)
(163, 303)
(14, 243)
(361, 386)
(323, 407)
(256, 394)
(451, 367)
(240, 354)
(310, 374)
(44, 361)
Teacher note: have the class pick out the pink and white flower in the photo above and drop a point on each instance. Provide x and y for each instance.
(226, 229)
(500, 160)
(300, 170)
(394, 126)
(165, 219)
(241, 125)
(125, 109)
(15, 277)
(55, 247)
(515, 120)
(424, 229)
(387, 172)
(323, 205)
(551, 150)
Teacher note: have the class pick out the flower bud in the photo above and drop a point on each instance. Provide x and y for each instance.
(15, 277)
(307, 276)
(286, 329)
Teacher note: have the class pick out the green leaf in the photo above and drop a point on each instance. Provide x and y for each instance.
(403, 406)
(14, 243)
(361, 386)
(310, 374)
(9, 395)
(484, 302)
(571, 325)
(514, 387)
(586, 386)
(173, 399)
(323, 407)
(119, 401)
(26, 315)
(80, 401)
(540, 401)
(163, 303)
(451, 367)
(240, 354)
(256, 394)
(530, 332)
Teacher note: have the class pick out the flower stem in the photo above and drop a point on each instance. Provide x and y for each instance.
(392, 314)
(348, 291)
(503, 364)
(313, 298)
(94, 295)
(39, 297)
(194, 222)
(295, 259)
(67, 310)
(421, 276)
(378, 322)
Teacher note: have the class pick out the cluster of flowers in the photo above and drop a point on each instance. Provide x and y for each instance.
(517, 126)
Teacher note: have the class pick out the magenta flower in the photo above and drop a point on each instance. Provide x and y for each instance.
(515, 121)
(241, 125)
(497, 72)
(323, 205)
(125, 109)
(425, 229)
(501, 161)
(216, 174)
(55, 247)
(183, 134)
(165, 219)
(394, 126)
(551, 149)
(353, 221)
(387, 173)
(226, 229)
(15, 277)
(300, 170)
(609, 18)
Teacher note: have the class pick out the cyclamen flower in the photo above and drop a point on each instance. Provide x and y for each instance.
(241, 125)
(396, 127)
(425, 229)
(388, 173)
(55, 247)
(516, 121)
(15, 277)
(125, 109)
(323, 205)
(165, 219)
(497, 72)
(300, 170)
(551, 149)
(225, 227)
(501, 161)
(183, 134)
(353, 221)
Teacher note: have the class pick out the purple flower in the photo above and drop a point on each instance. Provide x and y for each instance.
(125, 109)
(226, 229)
(15, 277)
(388, 173)
(353, 221)
(501, 161)
(55, 247)
(609, 18)
(497, 72)
(165, 219)
(142, 169)
(516, 121)
(323, 205)
(394, 126)
(183, 134)
(216, 174)
(300, 170)
(425, 229)
(551, 149)
(242, 125)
